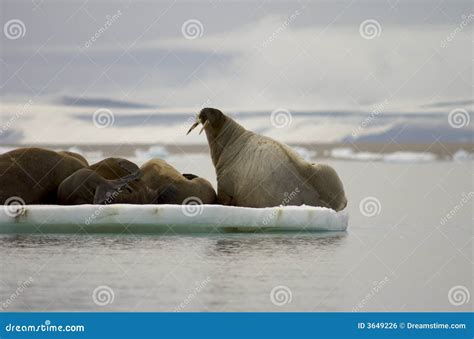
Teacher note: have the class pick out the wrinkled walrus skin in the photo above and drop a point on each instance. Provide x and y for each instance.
(257, 171)
(114, 168)
(110, 181)
(34, 174)
(173, 187)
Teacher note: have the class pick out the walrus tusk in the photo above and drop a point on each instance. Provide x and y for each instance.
(204, 126)
(193, 126)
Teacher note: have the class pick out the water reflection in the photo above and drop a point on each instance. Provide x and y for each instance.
(71, 241)
(272, 243)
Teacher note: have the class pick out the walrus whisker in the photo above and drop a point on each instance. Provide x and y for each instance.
(193, 126)
(204, 126)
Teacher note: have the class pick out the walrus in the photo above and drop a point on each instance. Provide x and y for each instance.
(75, 155)
(110, 181)
(34, 174)
(173, 187)
(114, 168)
(257, 171)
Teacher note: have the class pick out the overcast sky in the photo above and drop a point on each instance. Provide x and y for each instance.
(241, 55)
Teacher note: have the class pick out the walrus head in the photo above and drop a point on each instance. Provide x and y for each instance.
(220, 129)
(212, 120)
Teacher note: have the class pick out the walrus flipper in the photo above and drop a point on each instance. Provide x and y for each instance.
(168, 195)
(224, 199)
(107, 192)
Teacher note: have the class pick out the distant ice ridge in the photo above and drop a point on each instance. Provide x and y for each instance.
(140, 155)
(403, 157)
(305, 153)
(6, 149)
(75, 126)
(91, 156)
(463, 155)
(156, 151)
(395, 157)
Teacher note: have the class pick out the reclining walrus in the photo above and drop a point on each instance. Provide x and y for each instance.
(257, 171)
(173, 187)
(112, 180)
(116, 180)
(34, 174)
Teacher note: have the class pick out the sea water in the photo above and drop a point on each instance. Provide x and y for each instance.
(408, 248)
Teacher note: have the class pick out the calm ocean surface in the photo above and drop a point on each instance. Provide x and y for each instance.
(404, 257)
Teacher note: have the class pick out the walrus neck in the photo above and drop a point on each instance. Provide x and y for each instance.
(228, 134)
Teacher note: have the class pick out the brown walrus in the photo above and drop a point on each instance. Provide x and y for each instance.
(114, 168)
(112, 180)
(173, 187)
(75, 155)
(34, 174)
(257, 171)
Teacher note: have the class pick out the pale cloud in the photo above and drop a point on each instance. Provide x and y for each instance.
(306, 69)
(303, 56)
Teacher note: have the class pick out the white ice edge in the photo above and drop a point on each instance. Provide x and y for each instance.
(164, 218)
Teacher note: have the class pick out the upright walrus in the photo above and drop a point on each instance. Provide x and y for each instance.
(34, 174)
(257, 171)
